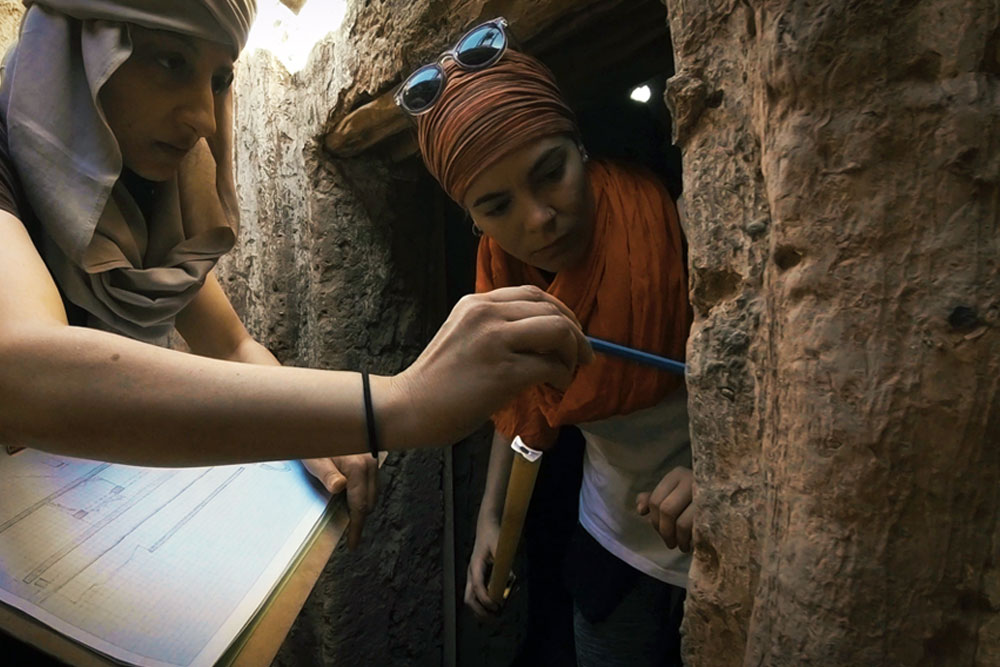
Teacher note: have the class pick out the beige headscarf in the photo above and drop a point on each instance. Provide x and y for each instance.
(131, 274)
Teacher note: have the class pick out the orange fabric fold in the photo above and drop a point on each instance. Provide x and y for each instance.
(630, 289)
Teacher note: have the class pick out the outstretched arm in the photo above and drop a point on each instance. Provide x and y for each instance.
(94, 394)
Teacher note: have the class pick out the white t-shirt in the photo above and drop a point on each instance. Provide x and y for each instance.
(625, 456)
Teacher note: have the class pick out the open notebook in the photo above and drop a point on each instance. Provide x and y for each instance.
(150, 566)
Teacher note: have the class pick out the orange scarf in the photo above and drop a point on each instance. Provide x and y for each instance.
(630, 289)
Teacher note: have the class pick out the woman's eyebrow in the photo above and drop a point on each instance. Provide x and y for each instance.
(487, 197)
(188, 42)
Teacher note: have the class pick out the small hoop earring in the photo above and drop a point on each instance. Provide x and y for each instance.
(476, 231)
(584, 155)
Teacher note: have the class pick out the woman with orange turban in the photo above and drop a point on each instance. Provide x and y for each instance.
(117, 199)
(603, 238)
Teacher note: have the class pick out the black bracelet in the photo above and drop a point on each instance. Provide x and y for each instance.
(366, 389)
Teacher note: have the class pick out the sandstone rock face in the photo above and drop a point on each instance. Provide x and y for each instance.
(10, 20)
(841, 176)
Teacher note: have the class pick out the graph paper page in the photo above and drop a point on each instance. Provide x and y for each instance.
(150, 566)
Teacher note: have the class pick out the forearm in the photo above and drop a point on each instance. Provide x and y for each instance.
(497, 476)
(97, 395)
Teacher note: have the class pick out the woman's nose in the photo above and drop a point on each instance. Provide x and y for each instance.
(541, 215)
(198, 110)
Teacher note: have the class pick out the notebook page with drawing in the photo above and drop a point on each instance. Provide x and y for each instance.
(151, 566)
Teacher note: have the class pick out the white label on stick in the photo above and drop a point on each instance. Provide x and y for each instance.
(527, 452)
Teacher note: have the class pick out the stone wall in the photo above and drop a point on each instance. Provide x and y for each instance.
(843, 192)
(10, 20)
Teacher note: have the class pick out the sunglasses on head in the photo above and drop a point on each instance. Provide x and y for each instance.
(477, 49)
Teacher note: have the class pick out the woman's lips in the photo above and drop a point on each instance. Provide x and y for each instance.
(171, 150)
(553, 249)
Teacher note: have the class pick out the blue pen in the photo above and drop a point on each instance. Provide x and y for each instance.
(638, 356)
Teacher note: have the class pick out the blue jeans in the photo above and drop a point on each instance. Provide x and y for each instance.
(643, 630)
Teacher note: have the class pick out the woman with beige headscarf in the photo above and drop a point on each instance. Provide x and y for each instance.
(116, 201)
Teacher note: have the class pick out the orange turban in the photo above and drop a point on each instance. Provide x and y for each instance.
(484, 115)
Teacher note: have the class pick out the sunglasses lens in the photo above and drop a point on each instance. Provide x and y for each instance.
(422, 88)
(481, 47)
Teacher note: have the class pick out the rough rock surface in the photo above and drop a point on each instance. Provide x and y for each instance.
(390, 38)
(841, 175)
(10, 20)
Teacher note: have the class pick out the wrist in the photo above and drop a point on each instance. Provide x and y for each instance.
(393, 413)
(489, 514)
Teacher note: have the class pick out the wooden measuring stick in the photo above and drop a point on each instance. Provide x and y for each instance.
(523, 472)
